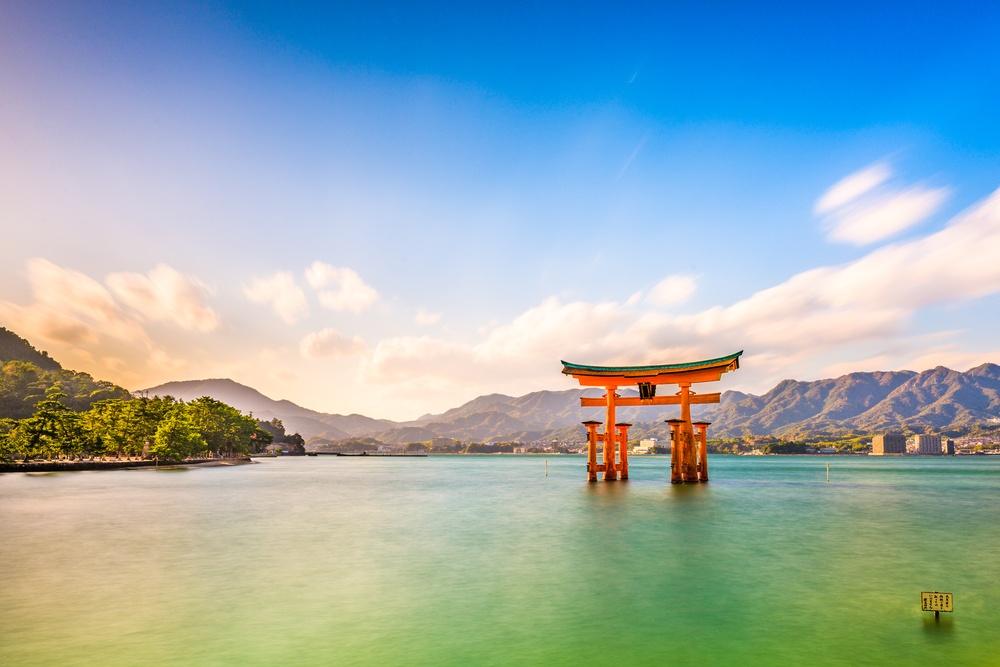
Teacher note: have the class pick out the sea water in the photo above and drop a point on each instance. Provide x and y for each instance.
(488, 560)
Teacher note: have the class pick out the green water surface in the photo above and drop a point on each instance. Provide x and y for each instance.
(485, 560)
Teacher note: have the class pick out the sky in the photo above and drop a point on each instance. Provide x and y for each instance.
(392, 209)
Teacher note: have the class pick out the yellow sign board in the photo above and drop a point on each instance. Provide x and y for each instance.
(935, 602)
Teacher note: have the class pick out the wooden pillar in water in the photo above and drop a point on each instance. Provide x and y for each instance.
(591, 449)
(623, 450)
(702, 450)
(610, 469)
(689, 465)
(675, 451)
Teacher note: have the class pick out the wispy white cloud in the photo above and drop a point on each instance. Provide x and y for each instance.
(71, 292)
(165, 295)
(673, 290)
(864, 207)
(340, 289)
(846, 190)
(280, 290)
(330, 344)
(71, 307)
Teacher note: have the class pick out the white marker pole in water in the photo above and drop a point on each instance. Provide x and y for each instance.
(546, 467)
(827, 471)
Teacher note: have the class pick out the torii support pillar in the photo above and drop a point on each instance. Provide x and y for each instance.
(683, 454)
(702, 450)
(610, 440)
(592, 438)
(689, 462)
(675, 451)
(623, 450)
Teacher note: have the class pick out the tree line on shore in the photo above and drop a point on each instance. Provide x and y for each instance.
(49, 412)
(161, 428)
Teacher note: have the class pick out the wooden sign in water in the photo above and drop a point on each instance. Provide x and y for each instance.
(936, 602)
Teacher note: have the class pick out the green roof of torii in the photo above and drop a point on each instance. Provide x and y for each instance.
(730, 362)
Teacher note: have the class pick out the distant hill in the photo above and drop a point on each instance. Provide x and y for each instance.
(936, 399)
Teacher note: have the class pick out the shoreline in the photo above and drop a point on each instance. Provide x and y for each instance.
(73, 466)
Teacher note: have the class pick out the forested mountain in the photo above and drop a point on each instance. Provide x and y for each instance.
(52, 412)
(27, 374)
(15, 348)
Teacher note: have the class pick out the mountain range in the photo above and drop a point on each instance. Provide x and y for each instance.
(935, 400)
(939, 399)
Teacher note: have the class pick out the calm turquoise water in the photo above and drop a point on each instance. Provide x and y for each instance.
(486, 561)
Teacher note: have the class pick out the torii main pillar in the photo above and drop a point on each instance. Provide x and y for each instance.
(688, 454)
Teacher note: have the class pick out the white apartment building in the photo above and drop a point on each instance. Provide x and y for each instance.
(646, 445)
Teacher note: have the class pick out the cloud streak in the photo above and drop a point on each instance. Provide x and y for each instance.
(164, 295)
(863, 208)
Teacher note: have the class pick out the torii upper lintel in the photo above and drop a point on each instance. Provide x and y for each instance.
(708, 370)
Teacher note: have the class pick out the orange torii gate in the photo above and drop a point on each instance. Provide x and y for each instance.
(688, 463)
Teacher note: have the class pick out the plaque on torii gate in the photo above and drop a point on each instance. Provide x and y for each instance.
(688, 453)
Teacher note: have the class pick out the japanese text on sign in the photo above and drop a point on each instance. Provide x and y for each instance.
(935, 601)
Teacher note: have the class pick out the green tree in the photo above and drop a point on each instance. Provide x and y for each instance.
(54, 428)
(21, 388)
(8, 429)
(274, 427)
(225, 429)
(20, 441)
(106, 421)
(143, 416)
(262, 438)
(125, 426)
(176, 437)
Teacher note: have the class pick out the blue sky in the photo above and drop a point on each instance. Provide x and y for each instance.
(393, 209)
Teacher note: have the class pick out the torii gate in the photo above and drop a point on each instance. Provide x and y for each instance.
(687, 463)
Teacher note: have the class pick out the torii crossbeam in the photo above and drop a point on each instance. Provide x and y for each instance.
(688, 463)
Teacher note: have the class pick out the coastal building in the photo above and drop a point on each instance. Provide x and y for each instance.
(889, 443)
(948, 447)
(646, 445)
(927, 444)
